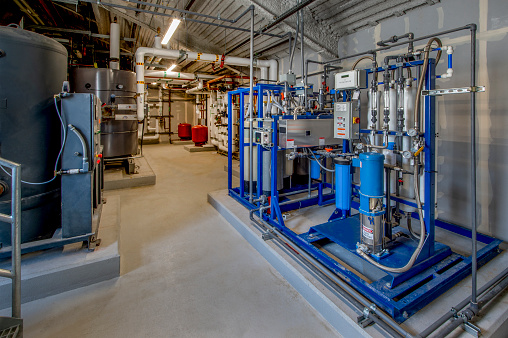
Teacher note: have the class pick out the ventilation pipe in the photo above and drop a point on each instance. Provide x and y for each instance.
(192, 56)
(114, 45)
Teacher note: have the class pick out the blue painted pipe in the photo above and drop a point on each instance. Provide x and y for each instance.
(372, 179)
(342, 183)
(315, 170)
(450, 61)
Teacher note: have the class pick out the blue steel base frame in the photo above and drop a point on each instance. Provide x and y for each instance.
(401, 295)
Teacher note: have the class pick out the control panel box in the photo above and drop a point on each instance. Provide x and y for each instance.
(290, 78)
(263, 138)
(346, 121)
(353, 79)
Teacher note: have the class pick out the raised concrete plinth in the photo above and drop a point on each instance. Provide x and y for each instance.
(50, 272)
(116, 177)
(194, 149)
(493, 322)
(181, 142)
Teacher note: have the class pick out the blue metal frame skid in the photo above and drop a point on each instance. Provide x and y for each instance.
(334, 243)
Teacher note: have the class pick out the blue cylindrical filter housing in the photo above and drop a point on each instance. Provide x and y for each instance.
(342, 183)
(315, 170)
(372, 179)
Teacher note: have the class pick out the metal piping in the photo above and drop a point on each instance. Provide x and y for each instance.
(277, 20)
(368, 306)
(466, 315)
(251, 106)
(373, 51)
(434, 326)
(272, 66)
(150, 4)
(474, 264)
(172, 16)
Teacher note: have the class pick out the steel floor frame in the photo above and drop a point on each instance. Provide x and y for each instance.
(427, 280)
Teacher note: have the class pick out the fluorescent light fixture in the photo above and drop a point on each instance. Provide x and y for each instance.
(171, 30)
(170, 69)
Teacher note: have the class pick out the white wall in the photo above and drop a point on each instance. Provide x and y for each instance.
(453, 162)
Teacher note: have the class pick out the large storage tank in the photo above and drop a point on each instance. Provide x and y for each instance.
(32, 68)
(118, 136)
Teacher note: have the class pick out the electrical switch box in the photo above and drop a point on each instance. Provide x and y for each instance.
(290, 78)
(346, 121)
(263, 138)
(353, 79)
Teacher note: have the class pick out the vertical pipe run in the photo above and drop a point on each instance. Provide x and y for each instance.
(251, 103)
(474, 265)
(16, 241)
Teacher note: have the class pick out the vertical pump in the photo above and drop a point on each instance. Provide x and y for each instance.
(371, 200)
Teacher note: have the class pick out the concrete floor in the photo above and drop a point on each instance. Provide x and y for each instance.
(185, 272)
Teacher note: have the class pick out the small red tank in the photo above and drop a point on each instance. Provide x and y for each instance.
(199, 135)
(184, 131)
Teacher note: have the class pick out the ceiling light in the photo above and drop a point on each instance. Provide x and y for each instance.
(171, 30)
(171, 68)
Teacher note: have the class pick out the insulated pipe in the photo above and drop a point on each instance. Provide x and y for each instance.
(272, 66)
(163, 74)
(114, 45)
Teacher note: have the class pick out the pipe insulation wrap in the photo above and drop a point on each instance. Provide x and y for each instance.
(141, 52)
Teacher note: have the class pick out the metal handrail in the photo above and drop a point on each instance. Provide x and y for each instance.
(15, 219)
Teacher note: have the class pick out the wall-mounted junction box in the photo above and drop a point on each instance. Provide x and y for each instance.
(346, 121)
(353, 79)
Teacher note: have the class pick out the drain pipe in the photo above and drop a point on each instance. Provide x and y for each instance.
(438, 323)
(466, 315)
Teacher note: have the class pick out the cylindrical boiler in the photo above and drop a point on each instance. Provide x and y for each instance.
(199, 135)
(33, 68)
(119, 127)
(184, 131)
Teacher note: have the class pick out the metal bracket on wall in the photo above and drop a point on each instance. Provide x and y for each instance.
(439, 92)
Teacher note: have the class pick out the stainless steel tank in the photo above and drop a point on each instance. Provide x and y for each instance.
(32, 69)
(119, 137)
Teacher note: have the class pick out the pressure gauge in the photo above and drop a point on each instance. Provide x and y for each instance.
(412, 132)
(359, 146)
(406, 154)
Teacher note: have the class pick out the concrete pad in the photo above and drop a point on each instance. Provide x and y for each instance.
(181, 142)
(117, 178)
(336, 310)
(194, 149)
(50, 272)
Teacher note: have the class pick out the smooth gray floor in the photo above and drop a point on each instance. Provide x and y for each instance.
(185, 271)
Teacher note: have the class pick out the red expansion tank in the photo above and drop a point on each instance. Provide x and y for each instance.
(199, 135)
(184, 131)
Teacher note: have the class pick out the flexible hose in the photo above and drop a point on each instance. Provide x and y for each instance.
(418, 249)
(64, 132)
(366, 57)
(422, 78)
(315, 158)
(421, 242)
